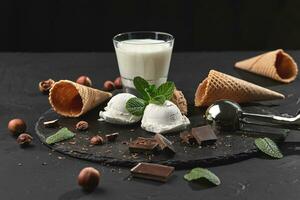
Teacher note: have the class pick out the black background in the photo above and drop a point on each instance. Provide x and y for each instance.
(89, 25)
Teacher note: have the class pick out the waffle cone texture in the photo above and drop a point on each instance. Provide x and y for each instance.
(277, 65)
(219, 86)
(72, 99)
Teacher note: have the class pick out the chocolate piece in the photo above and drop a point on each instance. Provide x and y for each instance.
(152, 171)
(187, 137)
(164, 144)
(204, 135)
(112, 137)
(51, 123)
(143, 145)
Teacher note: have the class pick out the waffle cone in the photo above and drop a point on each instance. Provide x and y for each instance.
(277, 65)
(72, 99)
(222, 86)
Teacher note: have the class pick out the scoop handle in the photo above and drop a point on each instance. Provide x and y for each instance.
(279, 120)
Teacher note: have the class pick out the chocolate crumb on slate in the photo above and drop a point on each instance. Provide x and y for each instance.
(187, 137)
(164, 144)
(152, 171)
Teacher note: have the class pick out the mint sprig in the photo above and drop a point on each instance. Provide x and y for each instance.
(199, 173)
(268, 146)
(149, 94)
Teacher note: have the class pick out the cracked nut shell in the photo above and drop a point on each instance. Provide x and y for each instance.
(96, 140)
(46, 85)
(84, 80)
(24, 139)
(82, 126)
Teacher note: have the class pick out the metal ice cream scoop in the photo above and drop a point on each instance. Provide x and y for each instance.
(228, 115)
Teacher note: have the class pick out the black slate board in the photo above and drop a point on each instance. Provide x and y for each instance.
(230, 147)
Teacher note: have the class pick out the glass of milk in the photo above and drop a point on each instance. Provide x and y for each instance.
(144, 53)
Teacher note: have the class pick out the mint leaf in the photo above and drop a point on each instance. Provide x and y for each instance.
(166, 89)
(141, 85)
(152, 90)
(159, 100)
(198, 173)
(136, 106)
(268, 146)
(62, 134)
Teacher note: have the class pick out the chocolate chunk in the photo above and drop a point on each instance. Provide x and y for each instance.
(111, 137)
(51, 124)
(143, 145)
(187, 137)
(204, 135)
(164, 144)
(152, 171)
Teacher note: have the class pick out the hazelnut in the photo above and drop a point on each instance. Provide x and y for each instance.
(84, 80)
(118, 83)
(46, 85)
(108, 86)
(82, 125)
(16, 126)
(88, 178)
(112, 137)
(24, 139)
(97, 139)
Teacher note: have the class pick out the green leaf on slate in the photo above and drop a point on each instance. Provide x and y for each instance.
(198, 173)
(141, 85)
(166, 89)
(136, 106)
(62, 134)
(268, 146)
(159, 100)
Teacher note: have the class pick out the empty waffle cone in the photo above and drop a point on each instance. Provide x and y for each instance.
(277, 65)
(222, 86)
(72, 99)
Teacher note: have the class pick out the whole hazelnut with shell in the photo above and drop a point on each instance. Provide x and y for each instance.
(16, 126)
(84, 80)
(108, 86)
(88, 178)
(118, 83)
(96, 140)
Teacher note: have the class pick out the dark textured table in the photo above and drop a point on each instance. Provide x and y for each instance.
(38, 173)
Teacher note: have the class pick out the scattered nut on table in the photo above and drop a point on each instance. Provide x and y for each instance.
(84, 80)
(82, 125)
(24, 139)
(16, 126)
(46, 85)
(108, 86)
(88, 178)
(96, 140)
(118, 83)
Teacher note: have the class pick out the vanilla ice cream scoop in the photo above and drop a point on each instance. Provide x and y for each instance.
(164, 118)
(116, 113)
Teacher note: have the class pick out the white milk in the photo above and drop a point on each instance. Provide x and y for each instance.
(147, 58)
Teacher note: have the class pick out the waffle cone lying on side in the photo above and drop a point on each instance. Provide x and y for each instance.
(222, 86)
(277, 65)
(72, 99)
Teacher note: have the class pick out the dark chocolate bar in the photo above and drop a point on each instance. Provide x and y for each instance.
(152, 171)
(164, 144)
(143, 145)
(51, 123)
(204, 135)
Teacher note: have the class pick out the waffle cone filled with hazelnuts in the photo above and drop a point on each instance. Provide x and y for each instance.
(72, 99)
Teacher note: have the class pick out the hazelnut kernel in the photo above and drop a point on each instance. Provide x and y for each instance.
(88, 178)
(46, 85)
(82, 125)
(84, 80)
(16, 126)
(24, 139)
(118, 82)
(108, 86)
(97, 140)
